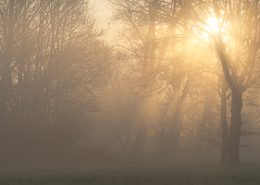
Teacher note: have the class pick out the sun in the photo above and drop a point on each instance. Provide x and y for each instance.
(212, 25)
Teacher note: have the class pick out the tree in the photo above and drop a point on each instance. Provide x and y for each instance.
(49, 74)
(238, 22)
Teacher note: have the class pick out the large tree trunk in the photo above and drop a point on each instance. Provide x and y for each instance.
(236, 104)
(235, 126)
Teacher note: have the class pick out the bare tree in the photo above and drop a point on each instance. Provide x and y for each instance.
(49, 74)
(239, 22)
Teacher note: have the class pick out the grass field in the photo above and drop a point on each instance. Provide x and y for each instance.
(170, 176)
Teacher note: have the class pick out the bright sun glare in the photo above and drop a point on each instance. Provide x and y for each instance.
(212, 25)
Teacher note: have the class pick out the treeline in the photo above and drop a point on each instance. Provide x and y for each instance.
(51, 62)
(181, 82)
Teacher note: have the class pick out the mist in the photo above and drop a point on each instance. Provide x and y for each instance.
(125, 85)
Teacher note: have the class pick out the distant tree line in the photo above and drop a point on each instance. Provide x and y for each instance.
(51, 62)
(171, 87)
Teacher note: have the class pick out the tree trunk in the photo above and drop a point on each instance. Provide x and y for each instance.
(236, 104)
(235, 127)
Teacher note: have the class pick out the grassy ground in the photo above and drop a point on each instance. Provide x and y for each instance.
(249, 175)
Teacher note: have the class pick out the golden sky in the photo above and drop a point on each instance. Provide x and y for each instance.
(104, 16)
(103, 12)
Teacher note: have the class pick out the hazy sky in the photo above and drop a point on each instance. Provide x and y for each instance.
(103, 12)
(104, 15)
